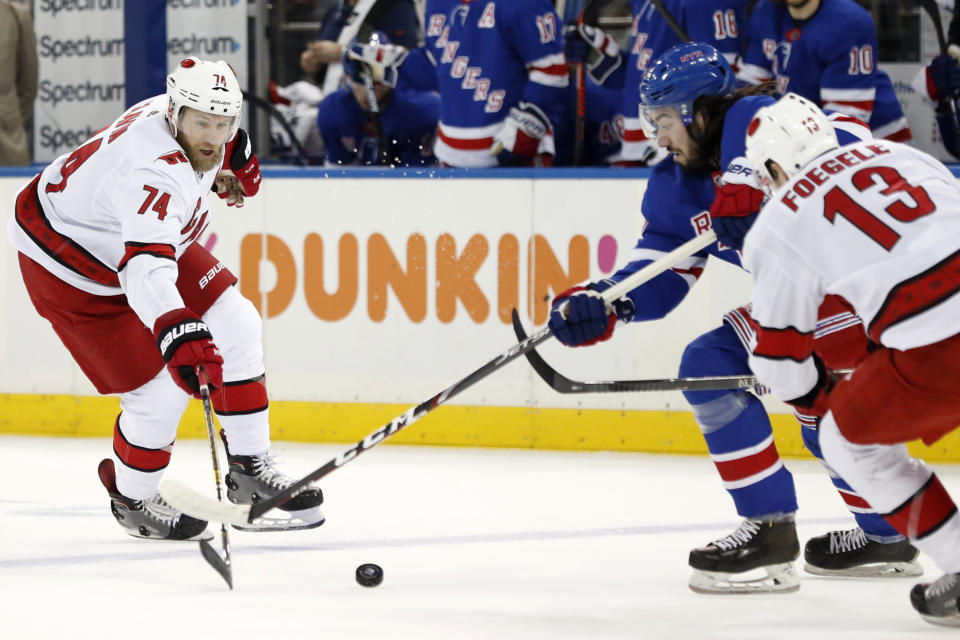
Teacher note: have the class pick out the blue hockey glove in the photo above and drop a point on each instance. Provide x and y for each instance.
(944, 72)
(733, 212)
(593, 47)
(589, 318)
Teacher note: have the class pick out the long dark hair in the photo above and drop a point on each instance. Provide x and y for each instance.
(714, 110)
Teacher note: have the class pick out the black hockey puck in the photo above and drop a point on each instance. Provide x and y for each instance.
(369, 575)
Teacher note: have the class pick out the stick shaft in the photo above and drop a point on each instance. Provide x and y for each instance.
(415, 413)
(671, 21)
(212, 439)
(374, 105)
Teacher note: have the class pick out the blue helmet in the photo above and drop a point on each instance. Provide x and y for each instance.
(357, 49)
(680, 76)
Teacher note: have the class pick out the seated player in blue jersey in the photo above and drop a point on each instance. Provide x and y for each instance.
(502, 78)
(399, 128)
(396, 18)
(691, 110)
(602, 126)
(826, 51)
(940, 82)
(720, 23)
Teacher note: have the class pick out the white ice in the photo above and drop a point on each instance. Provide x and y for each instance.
(474, 543)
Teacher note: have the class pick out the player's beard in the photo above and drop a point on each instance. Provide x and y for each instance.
(200, 162)
(690, 159)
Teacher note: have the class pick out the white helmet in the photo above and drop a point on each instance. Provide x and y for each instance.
(210, 87)
(791, 132)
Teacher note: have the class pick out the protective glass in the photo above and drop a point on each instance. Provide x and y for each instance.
(667, 120)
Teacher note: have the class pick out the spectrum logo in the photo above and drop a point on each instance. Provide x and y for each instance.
(194, 44)
(201, 4)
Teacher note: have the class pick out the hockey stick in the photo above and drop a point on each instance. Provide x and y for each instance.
(302, 158)
(933, 11)
(671, 21)
(374, 106)
(586, 15)
(200, 506)
(221, 564)
(561, 384)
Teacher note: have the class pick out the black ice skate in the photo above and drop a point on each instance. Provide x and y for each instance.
(938, 602)
(756, 558)
(852, 553)
(153, 518)
(252, 479)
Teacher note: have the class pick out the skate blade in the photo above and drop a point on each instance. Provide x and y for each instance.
(910, 569)
(294, 521)
(204, 535)
(942, 621)
(776, 578)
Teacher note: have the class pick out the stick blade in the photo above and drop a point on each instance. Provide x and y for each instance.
(214, 559)
(551, 376)
(194, 504)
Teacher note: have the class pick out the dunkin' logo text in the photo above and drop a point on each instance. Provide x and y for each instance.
(404, 271)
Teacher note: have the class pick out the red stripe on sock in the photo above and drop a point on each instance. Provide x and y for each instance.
(925, 512)
(732, 470)
(139, 458)
(854, 500)
(248, 396)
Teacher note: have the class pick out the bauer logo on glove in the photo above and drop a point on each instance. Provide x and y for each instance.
(239, 177)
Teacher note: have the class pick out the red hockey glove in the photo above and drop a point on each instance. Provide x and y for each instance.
(240, 159)
(185, 343)
(526, 134)
(733, 212)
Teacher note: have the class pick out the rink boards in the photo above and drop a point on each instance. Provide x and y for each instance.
(380, 289)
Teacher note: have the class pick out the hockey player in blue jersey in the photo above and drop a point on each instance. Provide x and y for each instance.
(601, 130)
(716, 22)
(501, 74)
(939, 81)
(826, 51)
(687, 102)
(407, 120)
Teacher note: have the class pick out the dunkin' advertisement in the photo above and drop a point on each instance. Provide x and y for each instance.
(389, 290)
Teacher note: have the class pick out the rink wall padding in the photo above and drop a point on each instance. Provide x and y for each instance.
(380, 289)
(671, 432)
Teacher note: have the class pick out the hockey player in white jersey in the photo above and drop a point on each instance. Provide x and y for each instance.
(877, 223)
(106, 237)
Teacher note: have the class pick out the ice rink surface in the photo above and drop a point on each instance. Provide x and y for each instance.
(474, 543)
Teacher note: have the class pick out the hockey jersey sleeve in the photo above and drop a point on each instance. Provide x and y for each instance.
(785, 311)
(152, 211)
(533, 31)
(658, 297)
(755, 67)
(418, 71)
(849, 83)
(665, 206)
(330, 118)
(413, 115)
